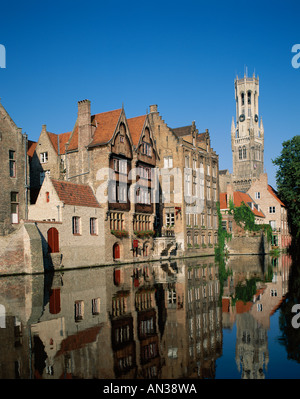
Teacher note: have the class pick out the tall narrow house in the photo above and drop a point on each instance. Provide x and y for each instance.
(13, 175)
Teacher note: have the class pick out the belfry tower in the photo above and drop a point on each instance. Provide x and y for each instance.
(247, 134)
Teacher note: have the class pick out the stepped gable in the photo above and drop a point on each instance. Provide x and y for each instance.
(75, 194)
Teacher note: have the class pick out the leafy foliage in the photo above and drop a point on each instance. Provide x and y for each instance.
(288, 181)
(223, 235)
(244, 217)
(245, 291)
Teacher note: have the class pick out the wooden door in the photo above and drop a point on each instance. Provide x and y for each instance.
(116, 251)
(53, 240)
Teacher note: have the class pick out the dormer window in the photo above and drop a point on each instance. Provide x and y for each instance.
(121, 139)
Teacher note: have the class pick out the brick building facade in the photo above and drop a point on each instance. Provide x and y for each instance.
(274, 209)
(14, 174)
(189, 184)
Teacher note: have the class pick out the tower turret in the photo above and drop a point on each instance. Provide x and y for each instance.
(247, 137)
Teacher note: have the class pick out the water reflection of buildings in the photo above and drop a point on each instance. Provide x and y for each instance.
(156, 320)
(148, 321)
(252, 317)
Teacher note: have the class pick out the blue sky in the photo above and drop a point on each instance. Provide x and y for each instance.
(181, 55)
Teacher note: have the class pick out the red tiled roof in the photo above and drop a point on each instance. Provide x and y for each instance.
(53, 139)
(135, 127)
(273, 192)
(223, 200)
(79, 340)
(238, 198)
(225, 305)
(105, 123)
(243, 307)
(31, 148)
(75, 194)
(73, 144)
(61, 138)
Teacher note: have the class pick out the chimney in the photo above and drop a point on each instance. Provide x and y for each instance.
(153, 108)
(84, 124)
(230, 192)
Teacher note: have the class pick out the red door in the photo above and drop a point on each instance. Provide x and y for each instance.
(116, 251)
(53, 241)
(54, 303)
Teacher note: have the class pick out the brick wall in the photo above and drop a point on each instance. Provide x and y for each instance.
(21, 251)
(256, 244)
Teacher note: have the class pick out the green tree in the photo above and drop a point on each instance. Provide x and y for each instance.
(288, 182)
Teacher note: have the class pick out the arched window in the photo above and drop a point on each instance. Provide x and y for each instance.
(244, 153)
(243, 99)
(249, 97)
(53, 240)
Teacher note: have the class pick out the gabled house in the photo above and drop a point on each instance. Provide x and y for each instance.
(188, 210)
(273, 208)
(144, 190)
(238, 198)
(70, 221)
(102, 152)
(47, 157)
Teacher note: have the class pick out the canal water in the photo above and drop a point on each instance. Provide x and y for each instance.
(192, 318)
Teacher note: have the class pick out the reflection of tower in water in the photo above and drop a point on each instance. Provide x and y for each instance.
(252, 354)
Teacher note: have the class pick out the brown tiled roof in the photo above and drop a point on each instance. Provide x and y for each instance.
(135, 127)
(183, 131)
(273, 192)
(75, 194)
(106, 124)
